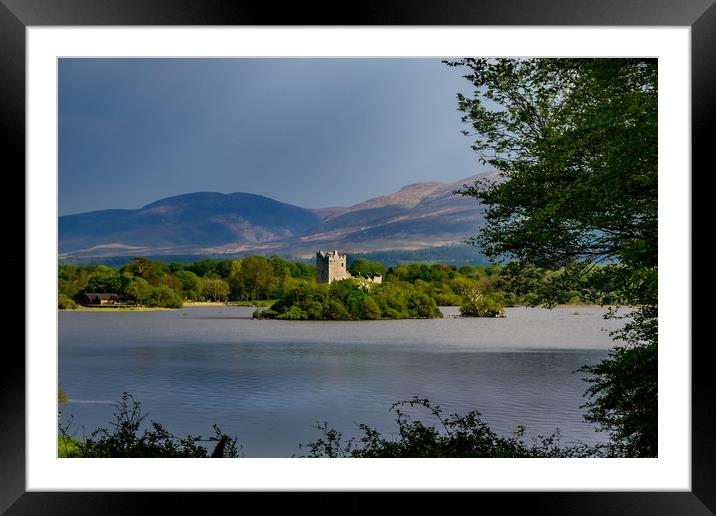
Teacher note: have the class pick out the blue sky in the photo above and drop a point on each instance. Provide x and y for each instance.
(310, 132)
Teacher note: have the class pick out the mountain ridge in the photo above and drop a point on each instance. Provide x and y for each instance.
(418, 215)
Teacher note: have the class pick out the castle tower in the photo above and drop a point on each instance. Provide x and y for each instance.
(331, 266)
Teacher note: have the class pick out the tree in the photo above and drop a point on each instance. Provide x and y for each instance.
(111, 284)
(215, 289)
(575, 144)
(257, 276)
(65, 303)
(190, 283)
(208, 268)
(477, 304)
(234, 280)
(163, 296)
(152, 271)
(366, 268)
(138, 290)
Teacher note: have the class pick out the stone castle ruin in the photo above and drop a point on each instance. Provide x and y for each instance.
(331, 266)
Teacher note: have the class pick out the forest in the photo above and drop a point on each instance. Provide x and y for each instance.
(412, 290)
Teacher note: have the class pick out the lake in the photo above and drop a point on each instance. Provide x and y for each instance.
(268, 382)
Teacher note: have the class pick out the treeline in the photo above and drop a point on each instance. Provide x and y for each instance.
(407, 291)
(158, 284)
(416, 290)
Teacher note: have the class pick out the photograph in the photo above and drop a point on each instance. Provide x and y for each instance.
(269, 254)
(387, 257)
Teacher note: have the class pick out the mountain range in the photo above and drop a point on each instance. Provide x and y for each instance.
(418, 216)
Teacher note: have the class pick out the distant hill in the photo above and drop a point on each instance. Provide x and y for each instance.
(185, 222)
(418, 216)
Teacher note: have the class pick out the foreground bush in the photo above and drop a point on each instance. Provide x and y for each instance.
(459, 436)
(125, 439)
(450, 436)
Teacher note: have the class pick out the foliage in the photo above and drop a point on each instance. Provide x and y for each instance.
(443, 436)
(257, 280)
(111, 284)
(126, 440)
(477, 304)
(190, 283)
(456, 435)
(65, 303)
(67, 446)
(575, 141)
(139, 291)
(147, 282)
(623, 388)
(361, 267)
(204, 268)
(624, 398)
(351, 300)
(153, 272)
(163, 296)
(215, 289)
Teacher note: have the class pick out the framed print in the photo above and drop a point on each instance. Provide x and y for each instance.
(61, 60)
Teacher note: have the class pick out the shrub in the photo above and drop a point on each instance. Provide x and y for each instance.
(126, 440)
(163, 296)
(264, 314)
(293, 313)
(350, 300)
(453, 436)
(482, 305)
(65, 303)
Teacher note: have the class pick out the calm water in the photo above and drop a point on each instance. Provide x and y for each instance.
(269, 382)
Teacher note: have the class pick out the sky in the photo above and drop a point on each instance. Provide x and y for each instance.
(309, 132)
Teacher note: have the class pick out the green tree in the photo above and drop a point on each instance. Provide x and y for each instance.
(151, 271)
(215, 289)
(112, 284)
(190, 283)
(65, 303)
(138, 290)
(575, 141)
(163, 296)
(366, 268)
(235, 281)
(257, 277)
(208, 268)
(477, 304)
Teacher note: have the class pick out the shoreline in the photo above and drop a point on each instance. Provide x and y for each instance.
(91, 309)
(220, 304)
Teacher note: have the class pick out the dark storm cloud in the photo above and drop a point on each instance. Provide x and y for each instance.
(310, 132)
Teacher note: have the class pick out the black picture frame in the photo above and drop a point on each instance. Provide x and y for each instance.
(699, 15)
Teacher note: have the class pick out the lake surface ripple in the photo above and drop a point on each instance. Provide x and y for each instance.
(270, 382)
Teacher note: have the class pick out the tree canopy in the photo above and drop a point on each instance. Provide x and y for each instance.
(366, 268)
(574, 142)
